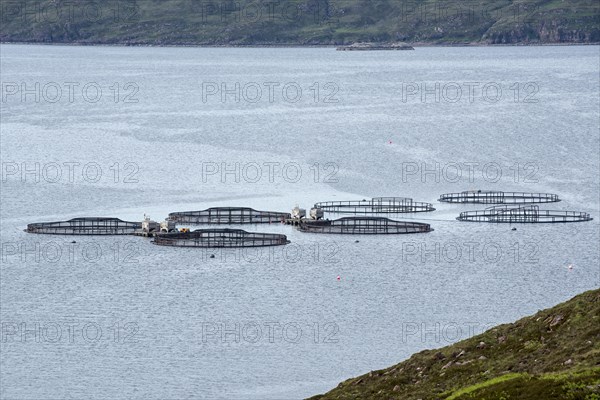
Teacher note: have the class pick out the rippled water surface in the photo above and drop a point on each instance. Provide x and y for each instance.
(122, 318)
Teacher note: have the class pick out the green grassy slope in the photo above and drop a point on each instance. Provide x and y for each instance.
(554, 354)
(302, 22)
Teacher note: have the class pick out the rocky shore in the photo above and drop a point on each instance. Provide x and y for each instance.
(552, 355)
(375, 46)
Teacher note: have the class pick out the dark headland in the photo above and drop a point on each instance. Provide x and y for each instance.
(251, 23)
(552, 355)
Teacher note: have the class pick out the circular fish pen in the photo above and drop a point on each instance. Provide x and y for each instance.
(363, 225)
(525, 214)
(377, 205)
(219, 238)
(85, 226)
(497, 197)
(228, 215)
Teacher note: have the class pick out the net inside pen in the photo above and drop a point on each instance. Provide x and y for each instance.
(228, 215)
(496, 197)
(221, 238)
(377, 205)
(86, 226)
(526, 214)
(363, 225)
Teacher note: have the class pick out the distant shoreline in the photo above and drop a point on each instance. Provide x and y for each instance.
(251, 46)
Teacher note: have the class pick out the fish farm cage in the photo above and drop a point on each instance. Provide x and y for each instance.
(218, 238)
(86, 226)
(524, 214)
(228, 215)
(377, 205)
(363, 225)
(497, 197)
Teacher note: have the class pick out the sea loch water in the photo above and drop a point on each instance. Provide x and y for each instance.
(110, 131)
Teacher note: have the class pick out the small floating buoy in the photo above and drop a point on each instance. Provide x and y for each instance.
(390, 142)
(513, 229)
(570, 267)
(212, 256)
(339, 278)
